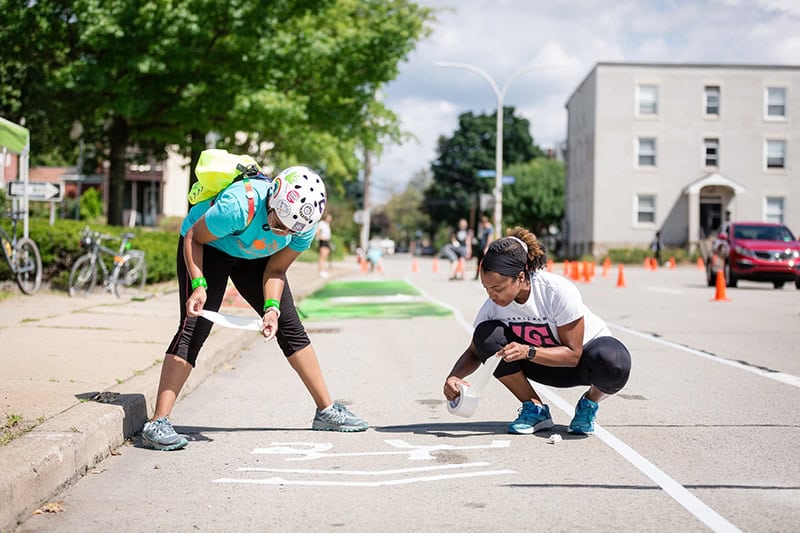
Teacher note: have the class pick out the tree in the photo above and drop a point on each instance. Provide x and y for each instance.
(455, 189)
(286, 80)
(404, 212)
(536, 199)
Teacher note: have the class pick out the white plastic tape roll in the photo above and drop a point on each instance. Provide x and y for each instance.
(467, 401)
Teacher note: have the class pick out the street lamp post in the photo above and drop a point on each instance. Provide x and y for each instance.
(499, 93)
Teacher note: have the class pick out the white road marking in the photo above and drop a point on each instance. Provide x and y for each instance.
(788, 379)
(664, 290)
(309, 450)
(678, 492)
(404, 481)
(364, 472)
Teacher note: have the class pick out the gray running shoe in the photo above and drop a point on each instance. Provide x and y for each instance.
(160, 435)
(337, 417)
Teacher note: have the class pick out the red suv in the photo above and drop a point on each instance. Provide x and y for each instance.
(756, 251)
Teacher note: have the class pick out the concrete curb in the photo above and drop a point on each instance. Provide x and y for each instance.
(55, 454)
(36, 466)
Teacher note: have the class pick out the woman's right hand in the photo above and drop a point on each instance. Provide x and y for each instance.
(195, 302)
(451, 391)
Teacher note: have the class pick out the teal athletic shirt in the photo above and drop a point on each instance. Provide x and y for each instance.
(228, 215)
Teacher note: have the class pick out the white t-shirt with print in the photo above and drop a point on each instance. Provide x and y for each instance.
(554, 301)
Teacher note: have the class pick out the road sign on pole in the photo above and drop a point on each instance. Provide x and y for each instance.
(37, 191)
(483, 173)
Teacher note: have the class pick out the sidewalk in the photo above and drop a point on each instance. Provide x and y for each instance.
(84, 371)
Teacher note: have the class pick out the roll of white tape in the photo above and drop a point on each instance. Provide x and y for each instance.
(466, 402)
(464, 405)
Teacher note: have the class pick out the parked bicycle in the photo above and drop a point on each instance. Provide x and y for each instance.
(118, 271)
(22, 256)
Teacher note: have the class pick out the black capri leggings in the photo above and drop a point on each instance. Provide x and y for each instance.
(605, 362)
(247, 276)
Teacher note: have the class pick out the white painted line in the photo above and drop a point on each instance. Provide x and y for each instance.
(664, 290)
(788, 379)
(404, 481)
(678, 492)
(309, 450)
(363, 472)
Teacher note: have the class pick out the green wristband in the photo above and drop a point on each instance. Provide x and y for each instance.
(272, 302)
(199, 282)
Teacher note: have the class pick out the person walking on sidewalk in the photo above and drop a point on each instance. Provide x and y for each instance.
(538, 324)
(251, 233)
(324, 235)
(485, 236)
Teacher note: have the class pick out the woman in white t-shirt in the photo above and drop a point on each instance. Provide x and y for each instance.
(537, 322)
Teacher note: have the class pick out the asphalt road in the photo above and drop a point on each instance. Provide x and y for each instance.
(704, 436)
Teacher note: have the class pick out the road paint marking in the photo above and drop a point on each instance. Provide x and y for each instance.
(788, 379)
(404, 481)
(386, 299)
(675, 490)
(364, 472)
(310, 450)
(664, 290)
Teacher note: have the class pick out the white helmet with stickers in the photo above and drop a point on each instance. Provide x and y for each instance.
(298, 197)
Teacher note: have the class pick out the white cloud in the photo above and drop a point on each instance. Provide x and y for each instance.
(503, 36)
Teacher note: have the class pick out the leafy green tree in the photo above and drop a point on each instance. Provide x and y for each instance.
(455, 189)
(536, 199)
(286, 80)
(404, 211)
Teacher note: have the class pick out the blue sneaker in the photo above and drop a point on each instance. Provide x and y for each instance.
(532, 418)
(583, 421)
(337, 417)
(160, 435)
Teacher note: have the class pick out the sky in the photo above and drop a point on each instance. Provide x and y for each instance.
(560, 41)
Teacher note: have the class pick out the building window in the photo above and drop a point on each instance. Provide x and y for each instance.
(775, 102)
(646, 152)
(646, 208)
(647, 98)
(711, 148)
(776, 154)
(712, 100)
(773, 209)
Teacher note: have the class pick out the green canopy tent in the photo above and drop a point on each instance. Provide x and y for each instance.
(16, 139)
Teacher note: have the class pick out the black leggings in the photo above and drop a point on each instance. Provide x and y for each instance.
(247, 276)
(605, 362)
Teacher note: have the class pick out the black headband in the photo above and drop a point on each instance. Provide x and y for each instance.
(508, 263)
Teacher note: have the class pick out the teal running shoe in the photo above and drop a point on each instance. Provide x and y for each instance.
(160, 435)
(337, 417)
(583, 421)
(532, 418)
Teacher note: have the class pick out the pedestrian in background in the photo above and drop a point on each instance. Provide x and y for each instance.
(251, 232)
(324, 236)
(459, 247)
(485, 237)
(656, 246)
(538, 324)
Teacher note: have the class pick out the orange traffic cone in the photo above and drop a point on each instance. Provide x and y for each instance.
(414, 265)
(647, 264)
(364, 267)
(621, 277)
(606, 266)
(672, 263)
(460, 267)
(549, 265)
(720, 296)
(587, 274)
(435, 266)
(701, 264)
(653, 264)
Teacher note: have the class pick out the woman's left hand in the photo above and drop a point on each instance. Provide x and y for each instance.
(270, 325)
(513, 351)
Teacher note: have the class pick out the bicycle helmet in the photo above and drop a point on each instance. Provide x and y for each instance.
(298, 198)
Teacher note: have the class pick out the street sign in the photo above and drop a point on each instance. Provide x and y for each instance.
(486, 173)
(509, 180)
(37, 191)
